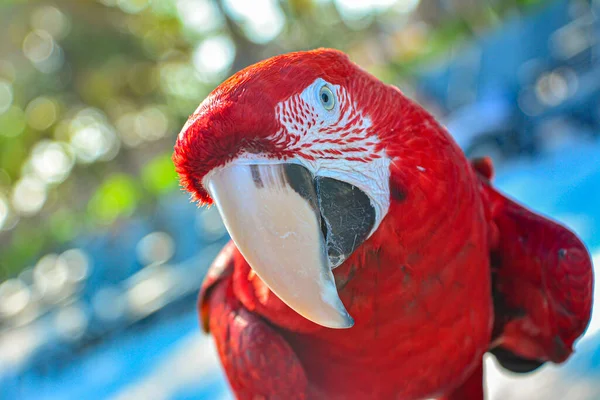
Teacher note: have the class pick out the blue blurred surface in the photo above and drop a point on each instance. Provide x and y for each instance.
(105, 370)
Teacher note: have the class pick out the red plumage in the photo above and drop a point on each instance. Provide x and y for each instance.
(455, 269)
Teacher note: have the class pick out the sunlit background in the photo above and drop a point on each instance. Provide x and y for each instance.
(101, 254)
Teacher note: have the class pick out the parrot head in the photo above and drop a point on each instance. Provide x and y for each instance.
(298, 153)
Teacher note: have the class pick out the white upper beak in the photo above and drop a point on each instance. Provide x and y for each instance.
(272, 215)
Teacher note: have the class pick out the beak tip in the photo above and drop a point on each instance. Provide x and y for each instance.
(346, 321)
(349, 323)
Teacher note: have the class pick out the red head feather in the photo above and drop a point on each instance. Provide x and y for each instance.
(239, 115)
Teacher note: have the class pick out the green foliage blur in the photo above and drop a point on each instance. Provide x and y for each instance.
(93, 93)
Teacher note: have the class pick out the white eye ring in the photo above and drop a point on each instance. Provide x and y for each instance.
(326, 98)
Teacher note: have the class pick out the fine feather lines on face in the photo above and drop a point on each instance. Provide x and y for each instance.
(342, 132)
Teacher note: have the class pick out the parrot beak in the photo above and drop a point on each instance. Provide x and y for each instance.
(273, 213)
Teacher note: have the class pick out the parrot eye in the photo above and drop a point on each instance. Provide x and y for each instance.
(327, 98)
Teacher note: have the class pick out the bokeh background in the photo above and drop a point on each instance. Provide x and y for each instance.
(101, 254)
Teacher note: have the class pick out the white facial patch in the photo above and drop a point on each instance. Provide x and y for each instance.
(336, 143)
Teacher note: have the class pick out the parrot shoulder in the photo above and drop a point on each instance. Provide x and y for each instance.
(542, 282)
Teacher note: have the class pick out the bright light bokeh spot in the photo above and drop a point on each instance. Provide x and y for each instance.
(6, 96)
(51, 161)
(132, 6)
(552, 88)
(14, 297)
(155, 248)
(92, 138)
(149, 291)
(201, 16)
(38, 45)
(41, 49)
(126, 126)
(213, 57)
(41, 113)
(262, 20)
(354, 9)
(28, 196)
(404, 6)
(181, 79)
(51, 278)
(367, 6)
(77, 264)
(51, 20)
(91, 142)
(151, 123)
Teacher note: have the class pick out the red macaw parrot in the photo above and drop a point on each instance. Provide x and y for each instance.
(370, 259)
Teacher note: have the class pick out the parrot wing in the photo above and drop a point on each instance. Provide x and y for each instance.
(542, 282)
(258, 361)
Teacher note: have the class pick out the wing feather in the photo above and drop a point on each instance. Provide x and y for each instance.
(542, 282)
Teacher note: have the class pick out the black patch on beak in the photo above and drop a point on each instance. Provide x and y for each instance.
(301, 180)
(347, 214)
